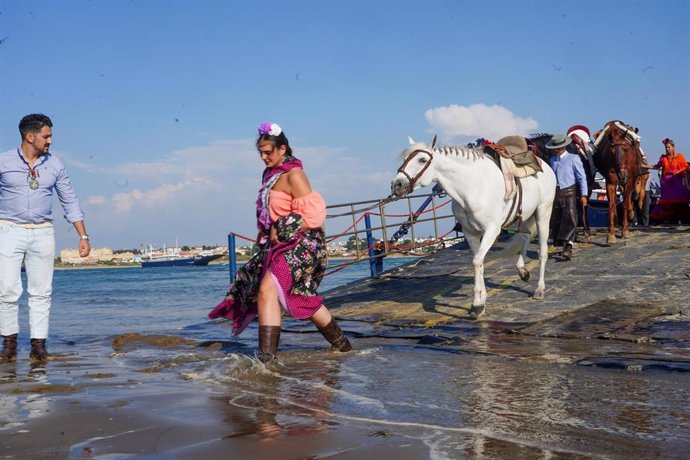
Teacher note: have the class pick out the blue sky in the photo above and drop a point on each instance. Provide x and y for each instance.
(155, 103)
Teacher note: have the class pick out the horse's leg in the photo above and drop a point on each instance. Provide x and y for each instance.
(474, 240)
(627, 208)
(479, 301)
(611, 195)
(585, 224)
(641, 193)
(543, 216)
(525, 235)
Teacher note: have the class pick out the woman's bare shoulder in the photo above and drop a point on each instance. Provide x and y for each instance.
(298, 181)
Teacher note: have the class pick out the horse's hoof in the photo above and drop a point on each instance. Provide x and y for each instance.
(611, 239)
(538, 295)
(476, 311)
(525, 275)
(626, 235)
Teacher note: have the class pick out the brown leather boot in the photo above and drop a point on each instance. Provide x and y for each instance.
(335, 336)
(9, 348)
(269, 337)
(38, 351)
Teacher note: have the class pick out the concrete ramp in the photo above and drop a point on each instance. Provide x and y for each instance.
(632, 290)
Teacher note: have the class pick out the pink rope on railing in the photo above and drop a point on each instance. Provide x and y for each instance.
(415, 214)
(243, 237)
(348, 228)
(365, 253)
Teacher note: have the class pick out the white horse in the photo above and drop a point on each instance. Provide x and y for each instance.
(476, 184)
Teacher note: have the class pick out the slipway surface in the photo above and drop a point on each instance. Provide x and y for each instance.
(632, 292)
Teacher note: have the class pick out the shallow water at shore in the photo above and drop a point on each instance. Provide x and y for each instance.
(198, 400)
(140, 371)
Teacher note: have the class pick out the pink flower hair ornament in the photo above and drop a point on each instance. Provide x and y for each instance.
(270, 128)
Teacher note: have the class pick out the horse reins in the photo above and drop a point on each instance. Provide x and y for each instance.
(413, 180)
(617, 148)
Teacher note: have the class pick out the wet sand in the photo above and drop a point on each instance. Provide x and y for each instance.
(87, 406)
(585, 374)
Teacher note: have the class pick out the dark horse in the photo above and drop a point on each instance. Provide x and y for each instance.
(619, 159)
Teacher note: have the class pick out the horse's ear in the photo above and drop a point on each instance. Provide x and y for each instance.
(433, 142)
(410, 140)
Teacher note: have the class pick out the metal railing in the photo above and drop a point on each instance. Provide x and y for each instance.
(368, 224)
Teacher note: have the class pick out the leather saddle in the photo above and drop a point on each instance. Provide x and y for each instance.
(515, 159)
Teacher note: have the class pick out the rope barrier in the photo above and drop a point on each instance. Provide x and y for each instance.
(243, 237)
(414, 214)
(347, 229)
(364, 255)
(402, 249)
(390, 198)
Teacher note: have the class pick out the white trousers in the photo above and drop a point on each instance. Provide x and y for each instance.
(36, 247)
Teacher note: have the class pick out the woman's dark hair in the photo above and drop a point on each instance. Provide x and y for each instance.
(33, 123)
(278, 141)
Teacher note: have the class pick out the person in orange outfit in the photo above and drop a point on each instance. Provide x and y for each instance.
(675, 194)
(286, 272)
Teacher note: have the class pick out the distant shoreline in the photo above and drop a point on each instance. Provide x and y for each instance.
(61, 266)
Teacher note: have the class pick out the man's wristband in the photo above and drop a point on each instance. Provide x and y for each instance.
(84, 237)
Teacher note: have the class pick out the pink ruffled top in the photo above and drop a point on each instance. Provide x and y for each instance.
(311, 207)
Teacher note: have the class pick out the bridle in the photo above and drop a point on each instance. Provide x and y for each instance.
(617, 148)
(413, 180)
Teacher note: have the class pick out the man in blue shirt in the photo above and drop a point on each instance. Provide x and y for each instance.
(570, 177)
(28, 178)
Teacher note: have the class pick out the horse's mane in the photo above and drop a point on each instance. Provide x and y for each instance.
(447, 151)
(604, 142)
(539, 140)
(540, 137)
(611, 125)
(460, 151)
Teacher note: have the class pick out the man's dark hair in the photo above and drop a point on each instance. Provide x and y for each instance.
(33, 123)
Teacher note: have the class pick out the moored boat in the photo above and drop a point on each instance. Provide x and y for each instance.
(176, 260)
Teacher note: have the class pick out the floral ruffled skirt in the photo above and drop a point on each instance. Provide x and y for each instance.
(297, 263)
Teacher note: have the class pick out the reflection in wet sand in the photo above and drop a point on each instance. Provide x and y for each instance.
(491, 394)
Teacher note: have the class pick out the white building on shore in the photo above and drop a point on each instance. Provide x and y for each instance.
(71, 256)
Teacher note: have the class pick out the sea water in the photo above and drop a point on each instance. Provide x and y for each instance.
(486, 395)
(93, 303)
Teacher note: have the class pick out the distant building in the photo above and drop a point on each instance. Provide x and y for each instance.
(71, 256)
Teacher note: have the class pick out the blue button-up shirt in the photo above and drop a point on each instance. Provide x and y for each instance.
(19, 203)
(569, 171)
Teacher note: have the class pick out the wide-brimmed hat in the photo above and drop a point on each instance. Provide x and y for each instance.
(558, 141)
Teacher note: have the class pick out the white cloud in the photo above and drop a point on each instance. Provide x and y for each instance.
(95, 200)
(162, 195)
(200, 193)
(457, 122)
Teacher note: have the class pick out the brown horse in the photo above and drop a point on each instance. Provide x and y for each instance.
(618, 158)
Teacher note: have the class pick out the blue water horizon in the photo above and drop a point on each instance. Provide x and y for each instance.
(92, 304)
